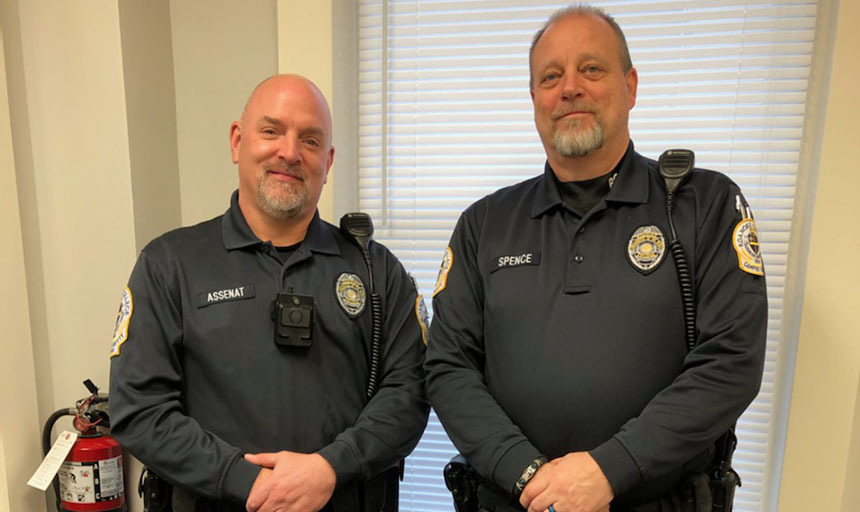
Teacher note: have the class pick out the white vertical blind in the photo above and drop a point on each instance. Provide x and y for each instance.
(445, 118)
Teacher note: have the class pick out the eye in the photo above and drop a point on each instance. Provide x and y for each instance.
(592, 69)
(549, 77)
(313, 143)
(269, 131)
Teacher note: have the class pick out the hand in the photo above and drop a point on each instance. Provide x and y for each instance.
(290, 482)
(573, 483)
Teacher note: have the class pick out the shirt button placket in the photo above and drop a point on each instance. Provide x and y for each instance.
(577, 276)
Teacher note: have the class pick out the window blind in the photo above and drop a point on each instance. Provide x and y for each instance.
(445, 118)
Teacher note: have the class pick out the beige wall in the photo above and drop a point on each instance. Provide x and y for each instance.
(150, 104)
(821, 469)
(19, 433)
(72, 166)
(851, 489)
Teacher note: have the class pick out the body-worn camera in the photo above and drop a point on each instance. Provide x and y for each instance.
(294, 320)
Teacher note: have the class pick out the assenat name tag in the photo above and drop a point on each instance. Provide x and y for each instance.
(208, 298)
(516, 260)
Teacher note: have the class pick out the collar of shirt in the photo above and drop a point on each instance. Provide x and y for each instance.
(631, 185)
(237, 234)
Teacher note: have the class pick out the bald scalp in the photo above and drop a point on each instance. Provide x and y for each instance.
(285, 78)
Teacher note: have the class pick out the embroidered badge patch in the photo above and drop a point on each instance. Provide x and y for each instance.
(350, 294)
(423, 317)
(646, 249)
(123, 316)
(745, 242)
(442, 278)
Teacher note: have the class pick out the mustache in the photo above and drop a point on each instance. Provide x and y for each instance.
(567, 109)
(284, 168)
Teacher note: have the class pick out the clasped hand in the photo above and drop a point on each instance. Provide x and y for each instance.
(289, 482)
(573, 483)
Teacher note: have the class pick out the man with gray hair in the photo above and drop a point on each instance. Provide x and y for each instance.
(566, 363)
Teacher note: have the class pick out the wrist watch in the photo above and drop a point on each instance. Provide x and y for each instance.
(528, 473)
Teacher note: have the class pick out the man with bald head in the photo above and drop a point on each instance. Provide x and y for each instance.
(558, 360)
(241, 360)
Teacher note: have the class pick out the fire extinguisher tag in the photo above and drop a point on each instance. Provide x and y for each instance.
(49, 467)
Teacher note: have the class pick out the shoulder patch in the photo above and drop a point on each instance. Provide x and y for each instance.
(442, 278)
(421, 312)
(423, 315)
(745, 242)
(123, 316)
(350, 294)
(646, 249)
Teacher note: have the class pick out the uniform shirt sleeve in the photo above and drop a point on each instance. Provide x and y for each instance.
(720, 376)
(392, 422)
(476, 423)
(146, 383)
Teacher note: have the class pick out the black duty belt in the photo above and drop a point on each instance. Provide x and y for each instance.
(379, 494)
(692, 494)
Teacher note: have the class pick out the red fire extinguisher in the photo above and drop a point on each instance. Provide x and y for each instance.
(90, 479)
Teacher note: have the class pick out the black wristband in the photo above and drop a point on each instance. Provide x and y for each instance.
(529, 473)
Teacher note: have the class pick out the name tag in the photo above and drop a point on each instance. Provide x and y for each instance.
(225, 295)
(516, 260)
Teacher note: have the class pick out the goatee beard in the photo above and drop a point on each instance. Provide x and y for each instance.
(573, 143)
(281, 200)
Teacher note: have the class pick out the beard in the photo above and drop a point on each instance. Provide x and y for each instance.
(278, 199)
(573, 142)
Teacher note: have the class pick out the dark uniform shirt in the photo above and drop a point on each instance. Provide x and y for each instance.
(197, 379)
(549, 338)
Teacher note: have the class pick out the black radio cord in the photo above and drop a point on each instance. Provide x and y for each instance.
(687, 296)
(376, 327)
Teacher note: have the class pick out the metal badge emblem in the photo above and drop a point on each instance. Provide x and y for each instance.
(646, 248)
(350, 294)
(123, 316)
(745, 242)
(442, 278)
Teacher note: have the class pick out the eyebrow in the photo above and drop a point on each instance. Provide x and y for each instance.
(316, 132)
(555, 61)
(591, 56)
(268, 120)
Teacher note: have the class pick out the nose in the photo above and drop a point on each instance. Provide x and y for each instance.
(571, 86)
(288, 150)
